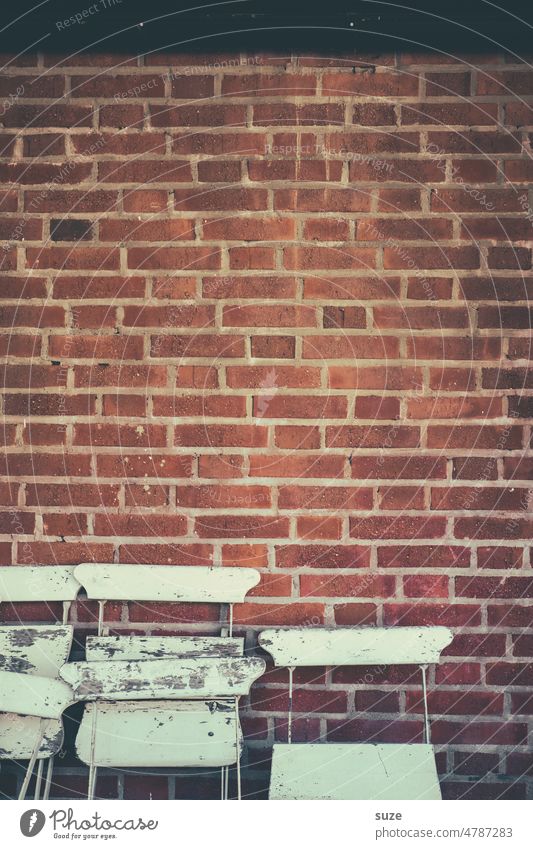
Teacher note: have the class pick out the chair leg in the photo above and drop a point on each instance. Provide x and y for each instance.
(92, 767)
(48, 780)
(39, 779)
(92, 782)
(31, 764)
(238, 748)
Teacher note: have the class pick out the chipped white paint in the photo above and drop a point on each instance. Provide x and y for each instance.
(19, 735)
(166, 583)
(190, 678)
(159, 734)
(33, 695)
(35, 649)
(354, 646)
(38, 583)
(351, 771)
(143, 648)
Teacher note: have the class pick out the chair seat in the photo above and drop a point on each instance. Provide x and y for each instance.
(351, 771)
(19, 736)
(159, 734)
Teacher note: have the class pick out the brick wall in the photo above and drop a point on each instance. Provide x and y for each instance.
(275, 314)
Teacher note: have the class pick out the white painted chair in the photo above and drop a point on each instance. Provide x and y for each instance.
(350, 771)
(163, 701)
(32, 698)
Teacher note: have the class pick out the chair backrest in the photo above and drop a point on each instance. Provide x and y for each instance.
(218, 584)
(145, 582)
(146, 648)
(35, 649)
(33, 695)
(38, 583)
(174, 678)
(354, 646)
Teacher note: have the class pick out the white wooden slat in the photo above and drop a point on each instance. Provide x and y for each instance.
(192, 678)
(33, 695)
(159, 734)
(38, 583)
(354, 646)
(221, 584)
(144, 648)
(35, 649)
(351, 771)
(19, 735)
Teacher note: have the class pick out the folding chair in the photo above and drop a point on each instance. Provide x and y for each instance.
(366, 771)
(32, 698)
(163, 701)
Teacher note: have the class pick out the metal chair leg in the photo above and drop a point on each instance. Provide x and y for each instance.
(427, 727)
(31, 764)
(48, 780)
(224, 771)
(39, 779)
(92, 767)
(238, 747)
(92, 782)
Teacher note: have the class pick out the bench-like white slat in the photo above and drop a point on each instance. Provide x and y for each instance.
(192, 678)
(38, 583)
(19, 735)
(354, 646)
(159, 734)
(221, 584)
(35, 649)
(33, 695)
(143, 648)
(350, 771)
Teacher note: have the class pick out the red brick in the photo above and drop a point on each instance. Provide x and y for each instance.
(442, 436)
(386, 84)
(374, 377)
(244, 436)
(417, 556)
(143, 465)
(432, 614)
(199, 345)
(355, 614)
(253, 555)
(224, 466)
(324, 498)
(182, 257)
(279, 614)
(140, 526)
(269, 316)
(318, 527)
(86, 495)
(322, 557)
(379, 467)
(99, 259)
(124, 435)
(247, 527)
(373, 436)
(216, 198)
(362, 586)
(450, 114)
